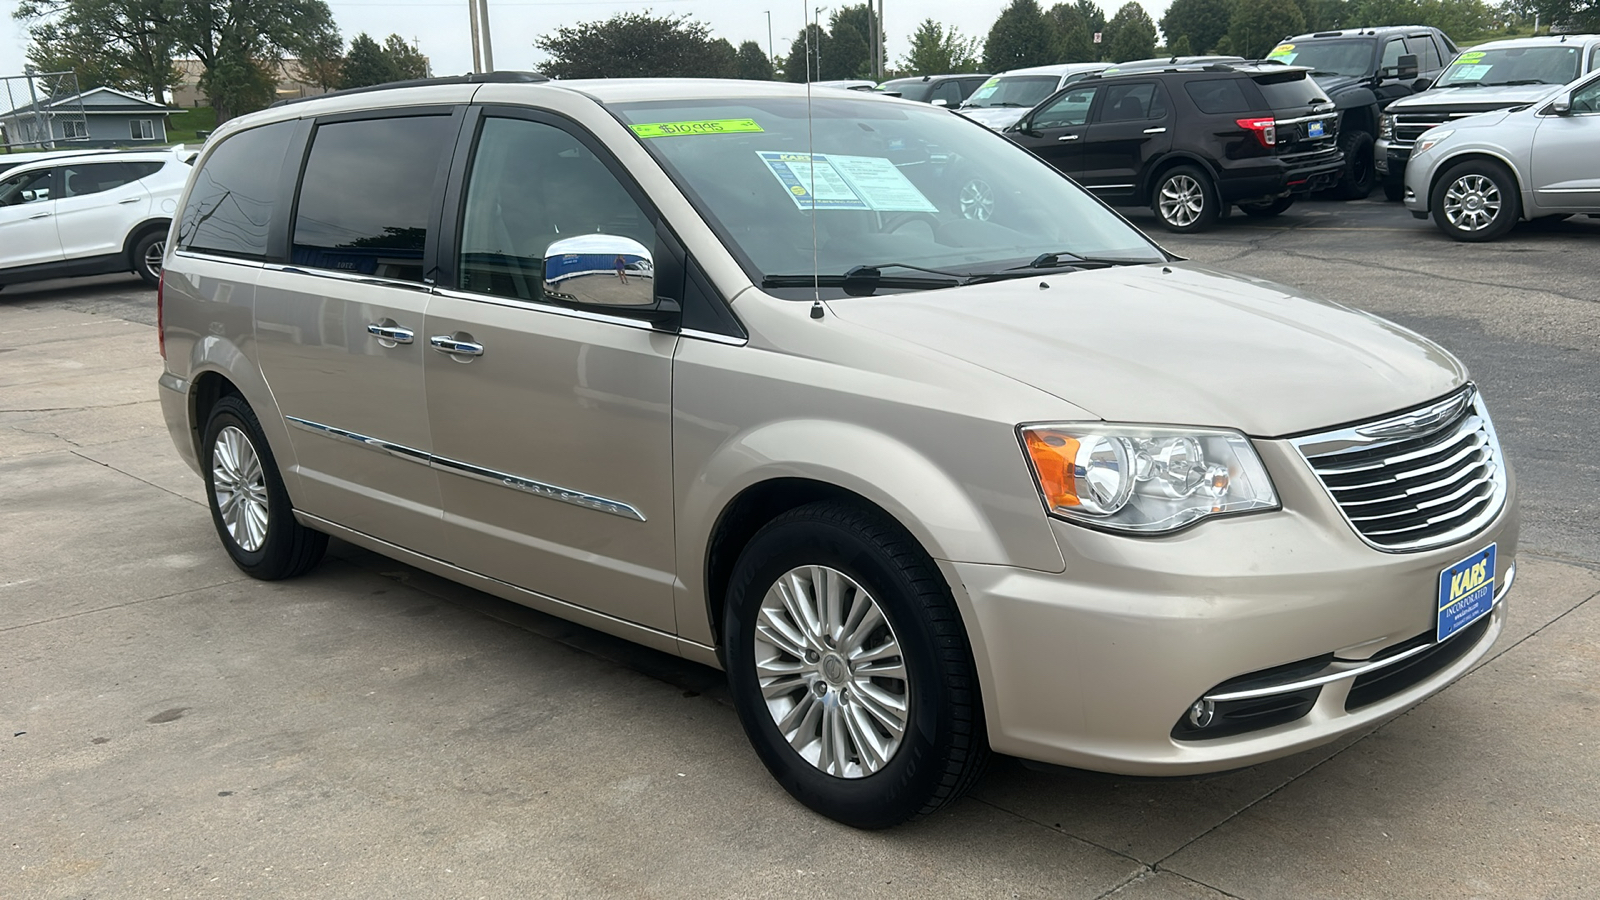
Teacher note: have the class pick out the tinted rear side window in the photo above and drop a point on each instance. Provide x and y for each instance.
(1217, 96)
(366, 195)
(230, 207)
(1294, 92)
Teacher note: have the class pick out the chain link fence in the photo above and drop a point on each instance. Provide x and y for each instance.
(41, 111)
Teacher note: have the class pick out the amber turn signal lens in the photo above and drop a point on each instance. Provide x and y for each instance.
(1054, 454)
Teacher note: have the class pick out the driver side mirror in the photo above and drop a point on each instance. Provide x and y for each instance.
(1407, 68)
(941, 102)
(608, 271)
(1562, 104)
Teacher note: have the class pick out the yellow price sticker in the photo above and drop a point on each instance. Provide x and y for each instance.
(1281, 50)
(1469, 58)
(708, 126)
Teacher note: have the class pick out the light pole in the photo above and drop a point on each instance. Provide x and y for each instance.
(488, 42)
(482, 45)
(477, 46)
(769, 35)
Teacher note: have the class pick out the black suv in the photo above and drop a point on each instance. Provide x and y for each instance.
(940, 90)
(1364, 70)
(1190, 141)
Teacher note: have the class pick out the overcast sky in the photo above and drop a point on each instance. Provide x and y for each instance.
(439, 27)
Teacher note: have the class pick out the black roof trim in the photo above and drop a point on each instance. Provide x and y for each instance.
(1251, 67)
(482, 78)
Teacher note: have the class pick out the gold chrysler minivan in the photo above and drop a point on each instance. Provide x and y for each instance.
(849, 396)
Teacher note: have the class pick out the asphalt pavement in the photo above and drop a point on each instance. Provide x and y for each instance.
(172, 728)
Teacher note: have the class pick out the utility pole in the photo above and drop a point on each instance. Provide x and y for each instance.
(770, 54)
(488, 41)
(477, 46)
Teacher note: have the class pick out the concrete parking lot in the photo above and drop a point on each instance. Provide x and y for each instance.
(172, 728)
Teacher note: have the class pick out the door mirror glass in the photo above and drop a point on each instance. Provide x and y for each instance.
(600, 270)
(1562, 104)
(1407, 67)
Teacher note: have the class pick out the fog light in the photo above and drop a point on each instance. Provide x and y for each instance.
(1202, 712)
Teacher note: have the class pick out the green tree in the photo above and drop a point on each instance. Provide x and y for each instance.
(1258, 25)
(1071, 38)
(1180, 47)
(1019, 38)
(635, 45)
(1133, 34)
(845, 53)
(366, 64)
(1203, 22)
(123, 44)
(1094, 21)
(242, 45)
(937, 51)
(797, 67)
(753, 63)
(860, 19)
(409, 63)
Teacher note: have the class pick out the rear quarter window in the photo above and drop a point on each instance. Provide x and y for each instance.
(1216, 96)
(232, 203)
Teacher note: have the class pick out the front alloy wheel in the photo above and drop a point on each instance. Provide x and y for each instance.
(1476, 201)
(831, 671)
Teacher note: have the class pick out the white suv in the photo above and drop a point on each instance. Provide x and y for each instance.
(89, 215)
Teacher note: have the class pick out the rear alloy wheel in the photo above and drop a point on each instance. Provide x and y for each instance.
(147, 253)
(1268, 209)
(1184, 200)
(249, 504)
(1360, 176)
(1476, 201)
(850, 668)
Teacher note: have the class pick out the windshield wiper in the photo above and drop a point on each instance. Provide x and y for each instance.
(1048, 263)
(864, 281)
(1516, 82)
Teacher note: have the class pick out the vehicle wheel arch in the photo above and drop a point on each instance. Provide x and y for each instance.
(1450, 162)
(137, 233)
(1359, 111)
(205, 390)
(1160, 166)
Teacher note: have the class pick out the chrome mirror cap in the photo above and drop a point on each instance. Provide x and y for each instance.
(600, 270)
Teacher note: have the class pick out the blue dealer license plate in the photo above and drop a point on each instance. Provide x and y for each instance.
(1314, 129)
(1466, 592)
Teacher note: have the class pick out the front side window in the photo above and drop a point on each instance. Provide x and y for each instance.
(27, 187)
(1067, 110)
(234, 196)
(1513, 65)
(366, 195)
(872, 184)
(1392, 51)
(1586, 100)
(535, 188)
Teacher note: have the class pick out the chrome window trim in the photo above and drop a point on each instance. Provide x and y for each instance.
(352, 277)
(713, 337)
(217, 257)
(1341, 669)
(514, 303)
(468, 470)
(1320, 117)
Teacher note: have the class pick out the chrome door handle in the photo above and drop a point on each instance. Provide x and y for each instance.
(1155, 130)
(444, 343)
(391, 333)
(1067, 137)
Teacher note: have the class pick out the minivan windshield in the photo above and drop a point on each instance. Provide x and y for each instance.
(1018, 91)
(897, 187)
(1514, 65)
(1351, 57)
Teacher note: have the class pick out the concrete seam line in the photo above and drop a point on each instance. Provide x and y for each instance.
(1563, 560)
(133, 476)
(1064, 833)
(101, 609)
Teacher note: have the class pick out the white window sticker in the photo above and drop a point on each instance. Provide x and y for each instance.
(1469, 73)
(845, 182)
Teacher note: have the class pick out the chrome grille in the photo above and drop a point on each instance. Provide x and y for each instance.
(1408, 126)
(1417, 480)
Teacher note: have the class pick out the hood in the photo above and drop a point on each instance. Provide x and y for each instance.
(998, 117)
(1177, 344)
(1482, 99)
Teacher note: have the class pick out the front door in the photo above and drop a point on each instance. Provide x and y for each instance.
(27, 220)
(1054, 131)
(100, 202)
(1132, 125)
(341, 326)
(551, 404)
(1565, 174)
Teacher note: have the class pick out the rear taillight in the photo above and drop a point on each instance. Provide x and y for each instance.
(161, 318)
(1266, 130)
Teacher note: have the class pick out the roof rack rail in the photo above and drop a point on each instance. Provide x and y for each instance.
(480, 78)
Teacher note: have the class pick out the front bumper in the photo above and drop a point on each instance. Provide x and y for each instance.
(1389, 157)
(1096, 666)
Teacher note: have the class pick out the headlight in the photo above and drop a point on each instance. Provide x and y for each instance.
(1386, 126)
(1142, 478)
(1431, 138)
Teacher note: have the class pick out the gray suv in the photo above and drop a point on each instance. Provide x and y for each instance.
(728, 370)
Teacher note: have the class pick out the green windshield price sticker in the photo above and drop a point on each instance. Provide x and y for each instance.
(709, 126)
(1465, 58)
(1281, 50)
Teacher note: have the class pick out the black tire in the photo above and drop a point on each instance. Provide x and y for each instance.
(1174, 195)
(147, 246)
(1394, 189)
(287, 548)
(1495, 190)
(1360, 176)
(1267, 210)
(944, 748)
